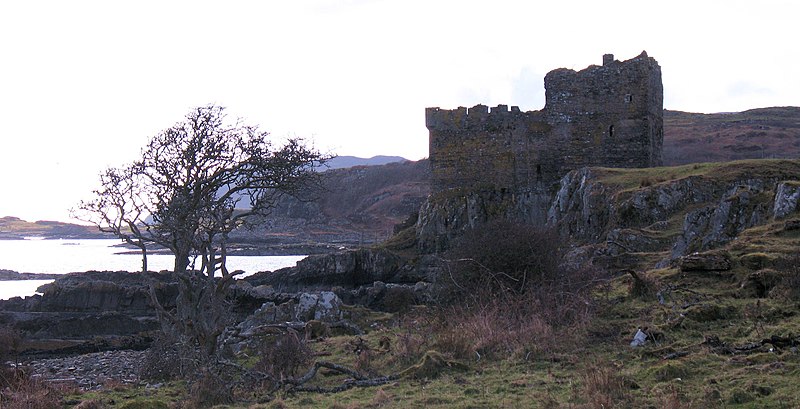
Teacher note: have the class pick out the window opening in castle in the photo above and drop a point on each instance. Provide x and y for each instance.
(611, 131)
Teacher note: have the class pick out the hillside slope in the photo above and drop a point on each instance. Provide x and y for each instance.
(16, 228)
(753, 134)
(351, 207)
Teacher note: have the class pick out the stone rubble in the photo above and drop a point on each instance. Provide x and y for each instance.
(90, 371)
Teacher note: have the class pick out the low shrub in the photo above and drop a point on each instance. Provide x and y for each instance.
(509, 289)
(209, 391)
(399, 299)
(501, 258)
(283, 355)
(409, 347)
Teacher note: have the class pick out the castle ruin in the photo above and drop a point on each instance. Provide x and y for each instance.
(609, 115)
(505, 163)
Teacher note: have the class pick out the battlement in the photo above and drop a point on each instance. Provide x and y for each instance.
(470, 117)
(609, 115)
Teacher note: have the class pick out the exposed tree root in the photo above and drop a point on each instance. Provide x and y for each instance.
(430, 365)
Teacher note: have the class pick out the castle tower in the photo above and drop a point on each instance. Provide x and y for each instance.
(609, 115)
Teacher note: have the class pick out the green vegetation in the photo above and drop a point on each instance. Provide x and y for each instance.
(629, 179)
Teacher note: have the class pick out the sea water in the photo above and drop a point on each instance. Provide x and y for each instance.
(68, 256)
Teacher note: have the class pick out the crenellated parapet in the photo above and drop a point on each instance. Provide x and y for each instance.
(461, 117)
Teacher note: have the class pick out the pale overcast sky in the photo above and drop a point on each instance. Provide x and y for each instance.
(83, 84)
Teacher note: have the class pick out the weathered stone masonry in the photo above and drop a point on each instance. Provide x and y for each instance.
(505, 163)
(609, 115)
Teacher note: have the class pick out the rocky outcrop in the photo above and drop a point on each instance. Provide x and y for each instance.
(787, 198)
(716, 205)
(82, 306)
(99, 291)
(581, 208)
(347, 269)
(324, 306)
(669, 213)
(387, 297)
(740, 208)
(619, 241)
(585, 208)
(447, 215)
(78, 326)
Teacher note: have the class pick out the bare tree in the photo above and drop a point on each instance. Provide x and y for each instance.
(195, 183)
(118, 209)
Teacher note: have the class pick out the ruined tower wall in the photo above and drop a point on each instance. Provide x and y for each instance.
(608, 115)
(480, 147)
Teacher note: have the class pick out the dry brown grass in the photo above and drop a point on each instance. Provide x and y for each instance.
(23, 392)
(492, 331)
(603, 387)
(510, 293)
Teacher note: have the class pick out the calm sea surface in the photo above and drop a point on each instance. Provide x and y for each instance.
(68, 256)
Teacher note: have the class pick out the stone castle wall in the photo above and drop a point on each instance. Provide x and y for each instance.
(609, 115)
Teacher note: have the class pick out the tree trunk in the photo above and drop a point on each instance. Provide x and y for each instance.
(144, 258)
(181, 261)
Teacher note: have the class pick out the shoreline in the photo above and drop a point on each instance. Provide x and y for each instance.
(10, 275)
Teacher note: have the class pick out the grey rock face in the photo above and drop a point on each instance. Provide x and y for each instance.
(712, 226)
(324, 306)
(619, 241)
(445, 217)
(628, 221)
(346, 269)
(387, 297)
(787, 197)
(581, 208)
(104, 291)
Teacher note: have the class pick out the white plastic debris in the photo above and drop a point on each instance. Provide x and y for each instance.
(639, 339)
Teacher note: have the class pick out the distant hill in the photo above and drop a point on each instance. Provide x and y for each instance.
(16, 228)
(353, 206)
(341, 162)
(753, 134)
